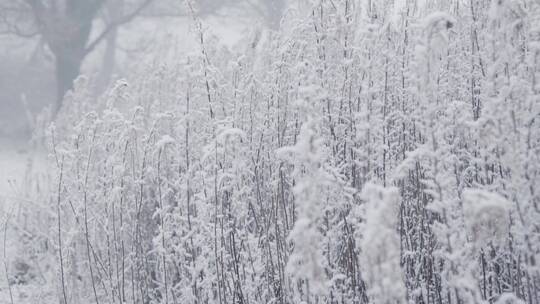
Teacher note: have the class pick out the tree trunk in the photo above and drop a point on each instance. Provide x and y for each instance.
(66, 32)
(274, 12)
(68, 66)
(115, 12)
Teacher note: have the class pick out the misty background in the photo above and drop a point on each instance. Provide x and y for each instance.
(45, 45)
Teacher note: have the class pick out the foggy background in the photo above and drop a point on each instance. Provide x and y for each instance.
(45, 45)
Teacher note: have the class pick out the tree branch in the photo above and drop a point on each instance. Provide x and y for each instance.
(125, 19)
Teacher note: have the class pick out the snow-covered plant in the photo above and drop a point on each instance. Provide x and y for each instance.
(306, 263)
(249, 175)
(486, 217)
(379, 244)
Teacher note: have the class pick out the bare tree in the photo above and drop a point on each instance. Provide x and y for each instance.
(270, 11)
(66, 27)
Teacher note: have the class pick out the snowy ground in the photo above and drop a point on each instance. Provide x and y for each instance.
(18, 162)
(13, 160)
